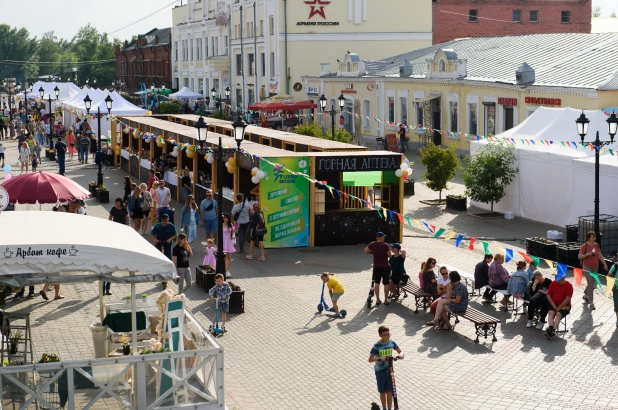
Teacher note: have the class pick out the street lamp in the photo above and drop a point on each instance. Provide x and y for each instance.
(219, 153)
(10, 86)
(582, 129)
(108, 104)
(26, 132)
(51, 116)
(332, 111)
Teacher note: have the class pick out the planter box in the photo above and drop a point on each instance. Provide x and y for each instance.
(456, 204)
(572, 232)
(408, 187)
(541, 249)
(92, 188)
(567, 254)
(237, 302)
(204, 279)
(102, 196)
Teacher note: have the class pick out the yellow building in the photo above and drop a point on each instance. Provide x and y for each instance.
(475, 86)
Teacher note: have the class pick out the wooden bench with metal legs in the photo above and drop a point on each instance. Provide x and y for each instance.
(484, 324)
(421, 298)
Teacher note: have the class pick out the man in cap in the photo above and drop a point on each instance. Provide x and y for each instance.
(163, 234)
(559, 297)
(381, 251)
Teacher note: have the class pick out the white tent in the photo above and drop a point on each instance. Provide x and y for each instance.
(555, 184)
(66, 90)
(185, 93)
(120, 106)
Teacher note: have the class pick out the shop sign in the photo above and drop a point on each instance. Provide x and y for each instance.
(372, 86)
(358, 163)
(23, 253)
(314, 91)
(273, 86)
(543, 101)
(507, 101)
(348, 86)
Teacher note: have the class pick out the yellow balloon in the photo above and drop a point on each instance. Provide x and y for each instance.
(253, 173)
(160, 143)
(206, 157)
(231, 169)
(190, 151)
(232, 161)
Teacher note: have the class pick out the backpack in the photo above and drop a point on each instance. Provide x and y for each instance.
(147, 201)
(237, 213)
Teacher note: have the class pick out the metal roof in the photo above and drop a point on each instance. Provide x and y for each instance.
(164, 38)
(565, 60)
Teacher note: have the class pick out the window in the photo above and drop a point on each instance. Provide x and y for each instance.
(348, 68)
(366, 114)
(193, 85)
(238, 64)
(272, 65)
(271, 25)
(442, 66)
(534, 16)
(191, 48)
(251, 96)
(249, 30)
(175, 50)
(206, 52)
(472, 118)
(263, 61)
(198, 42)
(185, 82)
(516, 16)
(490, 118)
(419, 114)
(235, 30)
(261, 33)
(226, 45)
(215, 46)
(403, 110)
(453, 115)
(566, 17)
(251, 62)
(473, 16)
(200, 85)
(391, 109)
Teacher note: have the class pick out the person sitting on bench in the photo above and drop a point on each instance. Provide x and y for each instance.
(519, 280)
(444, 283)
(430, 283)
(498, 278)
(456, 301)
(481, 275)
(537, 300)
(559, 296)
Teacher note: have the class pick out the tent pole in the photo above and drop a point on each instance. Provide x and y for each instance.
(133, 316)
(101, 302)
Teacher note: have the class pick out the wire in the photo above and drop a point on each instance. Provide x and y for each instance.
(143, 18)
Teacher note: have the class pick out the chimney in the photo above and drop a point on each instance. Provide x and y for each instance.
(406, 69)
(156, 40)
(525, 75)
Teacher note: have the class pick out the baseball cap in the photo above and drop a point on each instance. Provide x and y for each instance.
(165, 217)
(396, 246)
(380, 234)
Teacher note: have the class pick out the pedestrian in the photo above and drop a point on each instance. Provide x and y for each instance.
(94, 148)
(223, 291)
(12, 129)
(2, 154)
(59, 129)
(190, 218)
(590, 255)
(455, 302)
(30, 142)
(209, 254)
(164, 197)
(2, 127)
(48, 131)
(119, 213)
(40, 132)
(612, 273)
(430, 282)
(228, 242)
(258, 230)
(127, 189)
(135, 208)
(163, 234)
(209, 210)
(481, 276)
(61, 150)
(37, 150)
(559, 297)
(335, 289)
(402, 138)
(242, 212)
(181, 254)
(151, 178)
(57, 296)
(381, 353)
(381, 269)
(187, 185)
(398, 271)
(84, 144)
(35, 162)
(444, 283)
(146, 207)
(155, 199)
(71, 142)
(24, 156)
(499, 278)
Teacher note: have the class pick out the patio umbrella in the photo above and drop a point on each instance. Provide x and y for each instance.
(43, 188)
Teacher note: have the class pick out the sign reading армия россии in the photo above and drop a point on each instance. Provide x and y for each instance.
(359, 163)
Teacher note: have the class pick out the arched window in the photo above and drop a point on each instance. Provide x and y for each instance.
(349, 67)
(442, 66)
(366, 114)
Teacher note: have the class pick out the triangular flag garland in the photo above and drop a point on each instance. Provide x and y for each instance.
(486, 247)
(471, 247)
(439, 233)
(577, 274)
(508, 255)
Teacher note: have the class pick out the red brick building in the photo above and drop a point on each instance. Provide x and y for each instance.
(147, 60)
(479, 18)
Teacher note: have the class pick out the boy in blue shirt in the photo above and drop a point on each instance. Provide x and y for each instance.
(381, 352)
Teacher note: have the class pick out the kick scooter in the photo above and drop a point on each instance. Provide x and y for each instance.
(323, 306)
(214, 328)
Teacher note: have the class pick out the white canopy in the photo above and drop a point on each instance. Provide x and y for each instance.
(120, 106)
(80, 249)
(66, 90)
(186, 93)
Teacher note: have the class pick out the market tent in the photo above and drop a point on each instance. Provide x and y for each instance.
(281, 102)
(120, 106)
(185, 93)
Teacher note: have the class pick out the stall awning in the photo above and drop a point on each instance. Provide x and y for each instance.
(366, 178)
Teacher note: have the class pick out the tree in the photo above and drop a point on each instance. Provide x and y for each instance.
(341, 135)
(613, 15)
(311, 129)
(596, 11)
(489, 172)
(442, 165)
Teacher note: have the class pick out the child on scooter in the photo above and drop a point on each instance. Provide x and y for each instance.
(223, 291)
(335, 289)
(380, 353)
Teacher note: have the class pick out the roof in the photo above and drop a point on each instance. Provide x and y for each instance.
(560, 60)
(164, 38)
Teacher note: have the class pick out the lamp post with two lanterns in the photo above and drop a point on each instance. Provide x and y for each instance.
(108, 105)
(332, 112)
(51, 115)
(9, 84)
(153, 87)
(217, 100)
(582, 129)
(219, 153)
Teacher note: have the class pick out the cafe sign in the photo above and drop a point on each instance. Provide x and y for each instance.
(507, 101)
(358, 163)
(543, 101)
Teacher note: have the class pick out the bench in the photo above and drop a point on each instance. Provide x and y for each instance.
(485, 325)
(535, 319)
(420, 297)
(465, 276)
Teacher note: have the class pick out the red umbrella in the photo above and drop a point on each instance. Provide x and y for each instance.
(43, 188)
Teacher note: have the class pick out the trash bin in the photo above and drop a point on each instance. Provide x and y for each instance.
(99, 339)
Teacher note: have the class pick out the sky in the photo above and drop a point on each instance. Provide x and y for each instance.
(65, 17)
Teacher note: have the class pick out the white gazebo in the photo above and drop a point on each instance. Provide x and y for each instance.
(185, 93)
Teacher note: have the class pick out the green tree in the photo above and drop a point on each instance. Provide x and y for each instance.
(442, 165)
(169, 107)
(17, 45)
(341, 135)
(312, 129)
(489, 172)
(596, 11)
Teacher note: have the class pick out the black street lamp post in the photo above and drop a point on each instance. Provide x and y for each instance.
(108, 104)
(10, 86)
(332, 111)
(51, 116)
(219, 153)
(582, 129)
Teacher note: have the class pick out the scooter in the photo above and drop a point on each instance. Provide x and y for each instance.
(323, 306)
(370, 297)
(214, 328)
(392, 371)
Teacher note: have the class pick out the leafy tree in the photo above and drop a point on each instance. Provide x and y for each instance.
(596, 11)
(311, 129)
(442, 165)
(169, 107)
(16, 44)
(489, 172)
(613, 15)
(341, 135)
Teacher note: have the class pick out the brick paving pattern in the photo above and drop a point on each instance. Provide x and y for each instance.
(282, 354)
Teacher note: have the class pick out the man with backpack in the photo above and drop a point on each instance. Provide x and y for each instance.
(242, 213)
(83, 142)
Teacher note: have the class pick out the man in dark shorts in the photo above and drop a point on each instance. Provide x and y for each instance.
(381, 251)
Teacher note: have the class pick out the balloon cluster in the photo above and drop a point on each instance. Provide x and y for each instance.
(210, 158)
(190, 151)
(231, 165)
(404, 169)
(7, 172)
(175, 152)
(257, 175)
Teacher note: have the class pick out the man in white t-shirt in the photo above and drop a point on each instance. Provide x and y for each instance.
(444, 283)
(164, 195)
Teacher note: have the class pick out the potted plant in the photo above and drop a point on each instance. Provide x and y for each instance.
(92, 185)
(102, 194)
(541, 247)
(15, 338)
(48, 358)
(144, 297)
(457, 202)
(205, 277)
(124, 339)
(52, 154)
(128, 299)
(237, 299)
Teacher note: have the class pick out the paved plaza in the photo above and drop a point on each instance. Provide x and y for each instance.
(282, 354)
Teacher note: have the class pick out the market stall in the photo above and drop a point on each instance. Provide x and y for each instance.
(280, 111)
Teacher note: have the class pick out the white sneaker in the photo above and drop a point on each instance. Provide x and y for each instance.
(529, 324)
(228, 275)
(540, 325)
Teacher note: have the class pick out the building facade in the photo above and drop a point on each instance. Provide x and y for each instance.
(477, 86)
(145, 60)
(200, 46)
(472, 18)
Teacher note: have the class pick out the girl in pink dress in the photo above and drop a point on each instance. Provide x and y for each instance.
(228, 244)
(209, 250)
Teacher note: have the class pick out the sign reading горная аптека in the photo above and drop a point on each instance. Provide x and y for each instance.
(358, 163)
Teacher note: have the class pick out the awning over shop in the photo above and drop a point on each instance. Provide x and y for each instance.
(365, 178)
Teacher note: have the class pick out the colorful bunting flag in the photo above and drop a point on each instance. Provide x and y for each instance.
(486, 247)
(577, 273)
(549, 263)
(471, 247)
(525, 256)
(508, 255)
(609, 285)
(458, 241)
(597, 280)
(409, 221)
(536, 260)
(449, 235)
(439, 233)
(427, 226)
(561, 271)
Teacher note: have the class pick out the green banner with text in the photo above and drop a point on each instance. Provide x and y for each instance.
(284, 198)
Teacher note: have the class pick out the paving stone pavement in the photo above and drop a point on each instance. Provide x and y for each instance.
(282, 354)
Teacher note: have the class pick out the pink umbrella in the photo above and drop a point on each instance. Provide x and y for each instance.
(43, 188)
